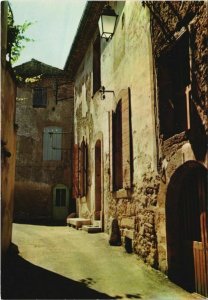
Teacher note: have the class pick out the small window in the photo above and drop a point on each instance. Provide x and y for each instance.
(52, 142)
(173, 78)
(39, 97)
(96, 65)
(60, 197)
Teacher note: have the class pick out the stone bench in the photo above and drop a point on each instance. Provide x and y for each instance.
(78, 222)
(127, 228)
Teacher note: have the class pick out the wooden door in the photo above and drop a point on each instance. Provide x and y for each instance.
(194, 233)
(200, 249)
(60, 202)
(186, 225)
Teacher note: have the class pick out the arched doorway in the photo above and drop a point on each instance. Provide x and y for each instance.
(186, 227)
(98, 183)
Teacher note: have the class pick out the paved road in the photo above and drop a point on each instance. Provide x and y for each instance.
(61, 262)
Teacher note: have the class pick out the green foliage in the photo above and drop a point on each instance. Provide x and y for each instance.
(16, 37)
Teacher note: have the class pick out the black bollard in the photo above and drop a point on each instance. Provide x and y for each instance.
(115, 238)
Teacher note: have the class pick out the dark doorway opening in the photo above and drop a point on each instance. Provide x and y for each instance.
(186, 226)
(173, 78)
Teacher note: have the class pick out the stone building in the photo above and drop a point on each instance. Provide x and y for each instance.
(179, 36)
(8, 137)
(140, 131)
(44, 115)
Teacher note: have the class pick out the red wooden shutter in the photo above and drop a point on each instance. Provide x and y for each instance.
(85, 166)
(75, 179)
(81, 168)
(126, 138)
(111, 150)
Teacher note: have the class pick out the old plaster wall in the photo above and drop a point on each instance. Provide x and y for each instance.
(8, 154)
(35, 178)
(8, 137)
(126, 61)
(190, 145)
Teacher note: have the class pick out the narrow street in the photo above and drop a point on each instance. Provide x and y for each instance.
(61, 262)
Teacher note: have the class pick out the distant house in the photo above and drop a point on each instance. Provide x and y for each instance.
(44, 115)
(140, 131)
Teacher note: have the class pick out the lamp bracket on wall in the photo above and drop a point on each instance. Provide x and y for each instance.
(103, 91)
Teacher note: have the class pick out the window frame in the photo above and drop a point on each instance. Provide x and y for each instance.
(42, 93)
(61, 202)
(61, 186)
(174, 114)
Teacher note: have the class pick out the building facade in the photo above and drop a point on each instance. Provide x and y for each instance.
(44, 115)
(179, 51)
(8, 137)
(140, 132)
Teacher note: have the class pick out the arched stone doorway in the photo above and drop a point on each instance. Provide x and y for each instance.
(98, 183)
(186, 227)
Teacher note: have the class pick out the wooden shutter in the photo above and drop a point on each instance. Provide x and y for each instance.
(52, 142)
(83, 168)
(96, 65)
(126, 138)
(111, 149)
(75, 179)
(117, 148)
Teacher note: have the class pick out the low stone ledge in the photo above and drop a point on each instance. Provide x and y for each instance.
(122, 193)
(127, 222)
(129, 233)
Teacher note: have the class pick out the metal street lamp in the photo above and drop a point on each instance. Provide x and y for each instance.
(107, 22)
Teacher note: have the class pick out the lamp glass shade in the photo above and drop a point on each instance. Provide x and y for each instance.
(107, 25)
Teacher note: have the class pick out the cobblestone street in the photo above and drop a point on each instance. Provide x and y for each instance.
(61, 262)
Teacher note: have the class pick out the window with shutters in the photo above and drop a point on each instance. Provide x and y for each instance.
(96, 65)
(80, 166)
(173, 81)
(52, 142)
(75, 179)
(121, 144)
(39, 97)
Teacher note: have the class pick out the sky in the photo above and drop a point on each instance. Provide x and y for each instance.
(54, 27)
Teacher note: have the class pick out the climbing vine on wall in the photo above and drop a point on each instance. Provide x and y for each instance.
(16, 37)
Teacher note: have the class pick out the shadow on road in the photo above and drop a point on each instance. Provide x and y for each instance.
(23, 280)
(40, 222)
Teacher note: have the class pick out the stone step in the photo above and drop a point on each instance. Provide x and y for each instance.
(91, 228)
(97, 223)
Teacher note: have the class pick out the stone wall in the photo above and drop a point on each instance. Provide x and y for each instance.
(138, 214)
(190, 145)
